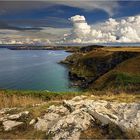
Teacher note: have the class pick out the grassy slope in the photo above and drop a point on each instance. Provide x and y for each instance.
(125, 75)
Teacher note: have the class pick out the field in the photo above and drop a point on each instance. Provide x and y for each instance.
(122, 49)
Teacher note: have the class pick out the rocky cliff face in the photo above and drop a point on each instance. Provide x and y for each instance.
(87, 66)
(70, 119)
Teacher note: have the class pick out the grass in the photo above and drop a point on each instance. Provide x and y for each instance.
(111, 96)
(97, 131)
(126, 79)
(128, 49)
(14, 98)
(125, 75)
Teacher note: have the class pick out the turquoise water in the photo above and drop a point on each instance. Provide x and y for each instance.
(34, 70)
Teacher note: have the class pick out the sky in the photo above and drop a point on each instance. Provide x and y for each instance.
(49, 22)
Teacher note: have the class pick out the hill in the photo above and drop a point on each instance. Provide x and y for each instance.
(105, 67)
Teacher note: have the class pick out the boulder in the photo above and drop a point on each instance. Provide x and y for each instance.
(70, 126)
(10, 125)
(19, 115)
(46, 122)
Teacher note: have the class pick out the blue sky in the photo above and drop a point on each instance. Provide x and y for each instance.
(27, 16)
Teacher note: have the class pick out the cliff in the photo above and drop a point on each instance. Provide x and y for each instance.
(100, 67)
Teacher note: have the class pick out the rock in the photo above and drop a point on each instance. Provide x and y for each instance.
(19, 115)
(9, 125)
(68, 105)
(5, 110)
(105, 117)
(73, 105)
(3, 119)
(32, 122)
(70, 126)
(77, 98)
(67, 121)
(58, 110)
(46, 122)
(42, 125)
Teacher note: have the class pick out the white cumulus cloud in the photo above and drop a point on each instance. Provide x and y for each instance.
(112, 30)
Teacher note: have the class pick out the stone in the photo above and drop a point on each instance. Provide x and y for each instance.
(32, 122)
(68, 105)
(42, 125)
(5, 110)
(67, 121)
(58, 110)
(45, 123)
(10, 125)
(70, 126)
(19, 115)
(77, 98)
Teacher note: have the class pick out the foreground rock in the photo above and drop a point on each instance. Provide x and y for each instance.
(78, 114)
(10, 125)
(72, 117)
(19, 115)
(12, 121)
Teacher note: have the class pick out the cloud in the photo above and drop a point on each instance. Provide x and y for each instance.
(107, 6)
(47, 35)
(7, 25)
(123, 30)
(20, 5)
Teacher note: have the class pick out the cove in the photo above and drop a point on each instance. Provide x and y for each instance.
(34, 70)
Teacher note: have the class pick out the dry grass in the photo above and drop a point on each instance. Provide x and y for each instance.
(112, 96)
(19, 98)
(124, 49)
(17, 101)
(23, 133)
(97, 131)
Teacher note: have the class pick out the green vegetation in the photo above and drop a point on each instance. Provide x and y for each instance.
(126, 79)
(44, 95)
(125, 76)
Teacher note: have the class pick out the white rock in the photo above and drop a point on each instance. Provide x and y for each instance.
(58, 109)
(9, 125)
(46, 121)
(74, 116)
(77, 98)
(70, 126)
(32, 122)
(3, 119)
(17, 116)
(5, 110)
(42, 125)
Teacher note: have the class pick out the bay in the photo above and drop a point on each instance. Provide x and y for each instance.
(34, 70)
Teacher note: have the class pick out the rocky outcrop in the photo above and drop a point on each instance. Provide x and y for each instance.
(12, 121)
(72, 117)
(78, 114)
